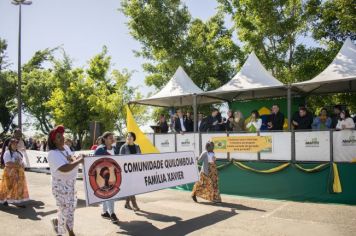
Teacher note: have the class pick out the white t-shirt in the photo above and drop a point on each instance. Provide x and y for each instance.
(16, 156)
(348, 122)
(182, 124)
(111, 152)
(211, 157)
(56, 159)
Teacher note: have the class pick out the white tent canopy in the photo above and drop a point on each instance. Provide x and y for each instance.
(339, 76)
(252, 81)
(179, 91)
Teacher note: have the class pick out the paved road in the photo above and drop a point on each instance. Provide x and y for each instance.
(172, 212)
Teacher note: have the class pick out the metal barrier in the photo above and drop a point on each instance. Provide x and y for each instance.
(295, 146)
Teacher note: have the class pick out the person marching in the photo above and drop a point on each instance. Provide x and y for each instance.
(13, 188)
(207, 186)
(64, 169)
(130, 148)
(107, 148)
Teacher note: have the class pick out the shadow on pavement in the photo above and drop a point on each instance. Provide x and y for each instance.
(232, 206)
(158, 217)
(30, 212)
(179, 228)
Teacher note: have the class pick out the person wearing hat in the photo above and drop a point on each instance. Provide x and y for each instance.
(13, 188)
(64, 169)
(207, 186)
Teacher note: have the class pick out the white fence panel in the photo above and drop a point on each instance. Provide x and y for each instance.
(282, 146)
(344, 145)
(312, 146)
(188, 142)
(165, 142)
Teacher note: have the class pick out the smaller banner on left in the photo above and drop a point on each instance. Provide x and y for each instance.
(114, 177)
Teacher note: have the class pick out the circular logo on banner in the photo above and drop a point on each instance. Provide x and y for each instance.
(105, 178)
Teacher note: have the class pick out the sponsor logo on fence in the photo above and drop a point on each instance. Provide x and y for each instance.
(314, 142)
(351, 141)
(165, 143)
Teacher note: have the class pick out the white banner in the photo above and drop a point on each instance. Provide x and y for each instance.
(205, 137)
(114, 177)
(312, 146)
(240, 155)
(36, 159)
(282, 146)
(344, 145)
(165, 142)
(188, 142)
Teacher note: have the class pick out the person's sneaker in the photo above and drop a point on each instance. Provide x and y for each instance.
(106, 215)
(113, 218)
(194, 198)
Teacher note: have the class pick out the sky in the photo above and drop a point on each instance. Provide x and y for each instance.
(81, 28)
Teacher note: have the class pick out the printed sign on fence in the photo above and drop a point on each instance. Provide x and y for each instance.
(243, 144)
(114, 177)
(35, 159)
(312, 146)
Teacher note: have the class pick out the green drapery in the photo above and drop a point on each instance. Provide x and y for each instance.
(290, 183)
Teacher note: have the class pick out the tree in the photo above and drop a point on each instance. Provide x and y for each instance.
(171, 38)
(38, 85)
(92, 94)
(7, 91)
(333, 20)
(271, 29)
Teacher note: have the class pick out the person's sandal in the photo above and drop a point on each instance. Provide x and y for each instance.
(127, 206)
(54, 222)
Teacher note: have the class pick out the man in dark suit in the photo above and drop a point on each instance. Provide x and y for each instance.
(201, 124)
(179, 124)
(275, 121)
(303, 121)
(213, 121)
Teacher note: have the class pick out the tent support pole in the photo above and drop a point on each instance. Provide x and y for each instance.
(289, 106)
(195, 112)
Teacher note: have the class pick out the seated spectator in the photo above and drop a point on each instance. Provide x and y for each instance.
(230, 118)
(345, 121)
(163, 124)
(336, 116)
(255, 122)
(189, 122)
(97, 143)
(213, 121)
(275, 121)
(202, 123)
(303, 120)
(322, 121)
(69, 143)
(238, 122)
(179, 123)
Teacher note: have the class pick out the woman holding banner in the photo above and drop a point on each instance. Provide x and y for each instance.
(107, 148)
(64, 170)
(207, 186)
(130, 148)
(13, 188)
